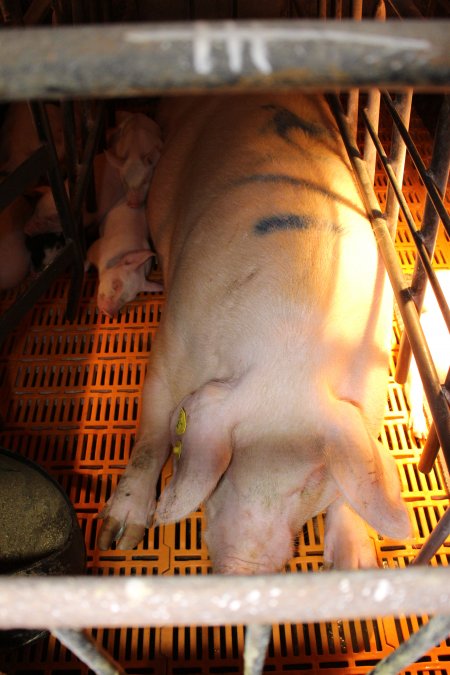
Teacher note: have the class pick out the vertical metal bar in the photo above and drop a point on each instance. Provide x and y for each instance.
(88, 651)
(373, 109)
(353, 94)
(63, 207)
(407, 308)
(323, 9)
(439, 171)
(425, 175)
(257, 640)
(397, 158)
(429, 635)
(436, 539)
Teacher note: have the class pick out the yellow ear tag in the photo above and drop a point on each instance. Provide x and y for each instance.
(181, 424)
(177, 448)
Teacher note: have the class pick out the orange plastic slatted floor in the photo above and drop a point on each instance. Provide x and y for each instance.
(70, 396)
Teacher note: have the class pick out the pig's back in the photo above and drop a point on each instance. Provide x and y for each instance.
(257, 222)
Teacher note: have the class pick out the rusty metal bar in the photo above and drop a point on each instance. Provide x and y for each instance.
(408, 310)
(429, 635)
(397, 158)
(214, 600)
(142, 59)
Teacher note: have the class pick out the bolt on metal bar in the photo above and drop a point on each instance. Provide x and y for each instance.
(117, 60)
(429, 635)
(88, 651)
(216, 600)
(403, 103)
(420, 166)
(433, 390)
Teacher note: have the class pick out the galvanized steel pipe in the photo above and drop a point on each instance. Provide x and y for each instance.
(147, 59)
(214, 600)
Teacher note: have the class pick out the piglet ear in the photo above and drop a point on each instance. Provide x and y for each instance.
(364, 471)
(114, 160)
(135, 259)
(202, 451)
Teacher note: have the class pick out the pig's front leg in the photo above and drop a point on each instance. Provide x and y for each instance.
(129, 511)
(347, 541)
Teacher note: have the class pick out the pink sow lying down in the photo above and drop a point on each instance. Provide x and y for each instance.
(269, 371)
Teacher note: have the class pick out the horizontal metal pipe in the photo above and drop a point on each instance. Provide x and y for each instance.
(136, 59)
(213, 600)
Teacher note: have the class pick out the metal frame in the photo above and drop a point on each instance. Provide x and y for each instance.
(224, 56)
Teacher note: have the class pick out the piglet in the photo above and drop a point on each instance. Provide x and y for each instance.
(438, 339)
(269, 372)
(18, 137)
(122, 256)
(134, 148)
(15, 258)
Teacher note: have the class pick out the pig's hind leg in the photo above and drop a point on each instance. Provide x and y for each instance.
(129, 511)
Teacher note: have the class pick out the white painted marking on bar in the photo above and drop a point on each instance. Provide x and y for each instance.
(202, 39)
(259, 54)
(235, 47)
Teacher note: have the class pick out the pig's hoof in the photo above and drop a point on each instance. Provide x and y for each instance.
(127, 535)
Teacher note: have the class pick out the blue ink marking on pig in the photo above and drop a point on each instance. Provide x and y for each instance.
(285, 121)
(283, 221)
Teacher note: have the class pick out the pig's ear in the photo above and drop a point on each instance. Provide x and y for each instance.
(135, 259)
(365, 473)
(202, 451)
(114, 160)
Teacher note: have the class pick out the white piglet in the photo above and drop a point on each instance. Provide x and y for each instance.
(122, 256)
(269, 372)
(134, 148)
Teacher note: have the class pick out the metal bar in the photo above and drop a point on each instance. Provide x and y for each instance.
(66, 216)
(257, 638)
(397, 158)
(433, 390)
(21, 178)
(439, 170)
(88, 651)
(420, 166)
(436, 539)
(11, 316)
(215, 600)
(418, 240)
(373, 114)
(130, 59)
(429, 635)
